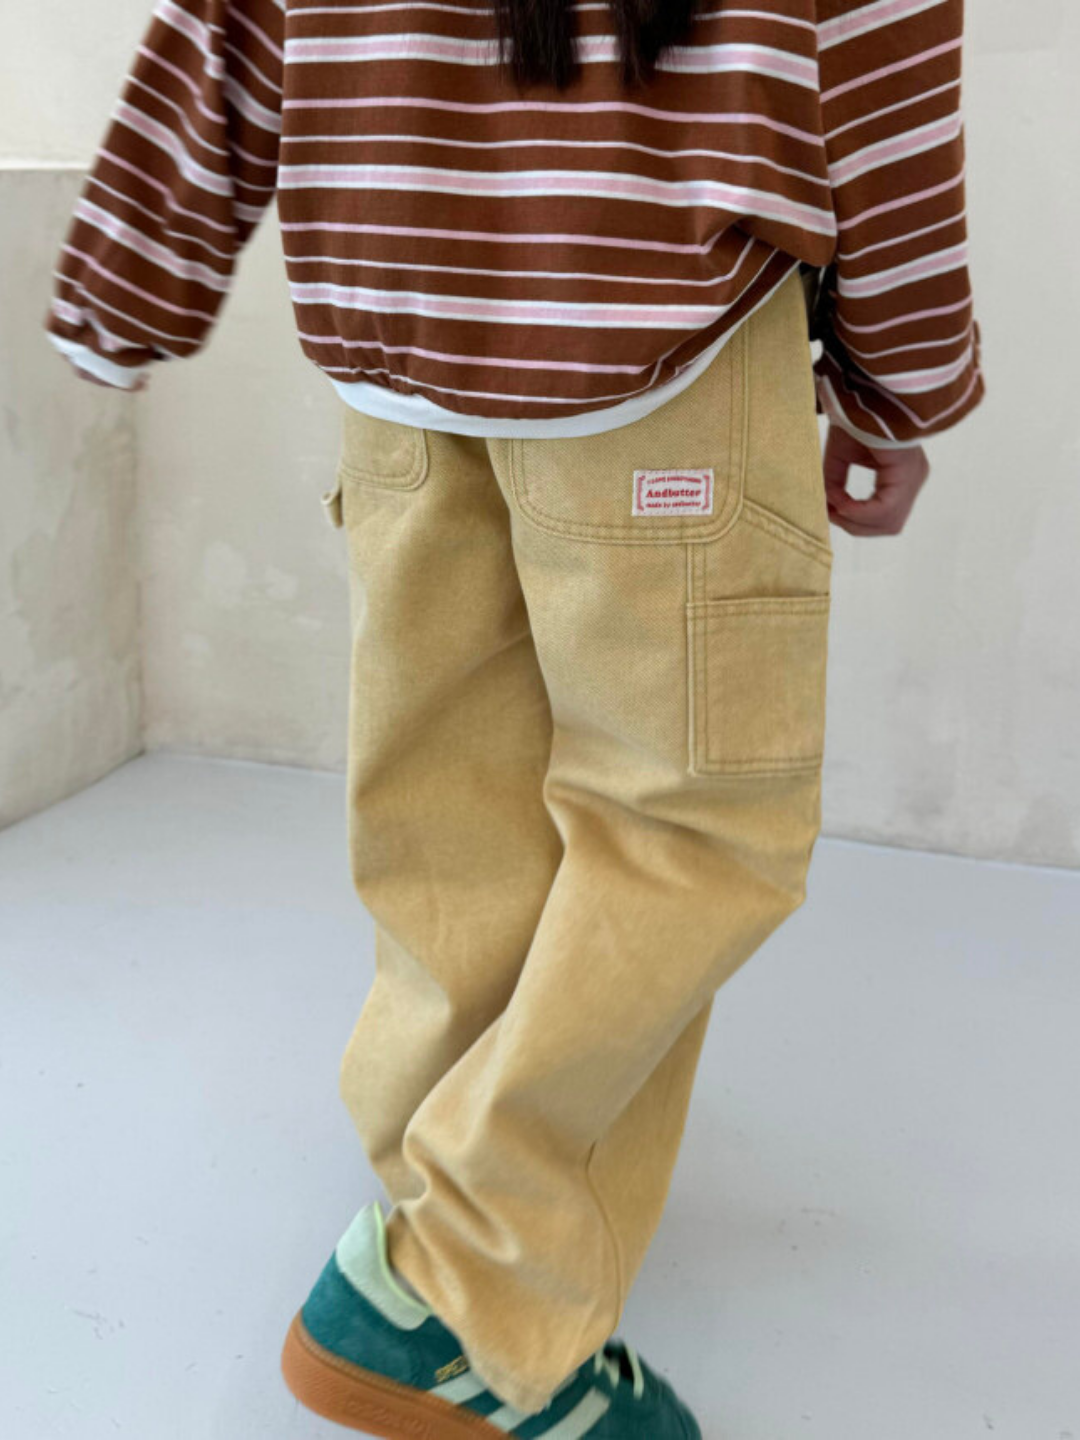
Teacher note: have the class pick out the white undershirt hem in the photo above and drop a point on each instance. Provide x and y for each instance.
(387, 404)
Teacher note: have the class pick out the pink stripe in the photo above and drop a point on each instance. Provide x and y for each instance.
(185, 79)
(172, 144)
(860, 81)
(701, 58)
(928, 265)
(909, 317)
(79, 315)
(744, 57)
(505, 237)
(503, 362)
(177, 18)
(259, 75)
(927, 381)
(162, 255)
(380, 47)
(855, 22)
(121, 283)
(260, 34)
(890, 151)
(387, 302)
(508, 184)
(901, 202)
(697, 117)
(166, 193)
(918, 421)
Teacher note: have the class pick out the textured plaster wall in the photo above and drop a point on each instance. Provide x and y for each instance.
(955, 652)
(244, 584)
(955, 675)
(70, 704)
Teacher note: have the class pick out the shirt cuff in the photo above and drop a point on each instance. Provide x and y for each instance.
(829, 405)
(124, 377)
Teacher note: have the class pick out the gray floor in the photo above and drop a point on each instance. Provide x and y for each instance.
(874, 1229)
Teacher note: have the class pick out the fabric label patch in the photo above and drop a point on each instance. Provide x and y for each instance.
(673, 492)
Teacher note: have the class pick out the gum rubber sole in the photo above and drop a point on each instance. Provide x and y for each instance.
(371, 1403)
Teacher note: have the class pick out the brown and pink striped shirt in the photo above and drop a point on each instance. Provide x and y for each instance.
(472, 257)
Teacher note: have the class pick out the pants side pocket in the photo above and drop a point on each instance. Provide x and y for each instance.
(757, 684)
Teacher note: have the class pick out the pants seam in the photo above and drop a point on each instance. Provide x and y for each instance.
(612, 1237)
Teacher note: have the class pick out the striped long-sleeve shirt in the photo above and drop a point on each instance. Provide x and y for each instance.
(475, 257)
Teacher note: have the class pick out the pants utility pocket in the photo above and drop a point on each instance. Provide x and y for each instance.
(381, 452)
(757, 684)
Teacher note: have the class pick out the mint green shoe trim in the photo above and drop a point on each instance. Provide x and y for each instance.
(459, 1389)
(576, 1423)
(362, 1258)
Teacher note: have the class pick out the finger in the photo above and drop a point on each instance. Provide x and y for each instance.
(885, 507)
(835, 464)
(853, 527)
(836, 475)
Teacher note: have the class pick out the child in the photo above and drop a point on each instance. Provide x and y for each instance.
(558, 262)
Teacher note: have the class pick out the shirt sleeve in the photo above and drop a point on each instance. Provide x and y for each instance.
(184, 173)
(900, 354)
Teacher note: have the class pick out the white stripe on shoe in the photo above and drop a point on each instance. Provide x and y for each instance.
(572, 1426)
(459, 1389)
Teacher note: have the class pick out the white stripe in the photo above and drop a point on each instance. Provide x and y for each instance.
(77, 315)
(152, 215)
(188, 81)
(859, 287)
(589, 183)
(246, 60)
(186, 24)
(157, 254)
(251, 213)
(405, 137)
(872, 115)
(89, 263)
(908, 235)
(155, 132)
(873, 157)
(720, 59)
(414, 408)
(572, 1426)
(867, 358)
(581, 8)
(870, 17)
(459, 1389)
(710, 282)
(835, 412)
(218, 120)
(193, 29)
(922, 382)
(249, 107)
(571, 314)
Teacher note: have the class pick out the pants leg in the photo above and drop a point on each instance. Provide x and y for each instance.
(680, 627)
(451, 847)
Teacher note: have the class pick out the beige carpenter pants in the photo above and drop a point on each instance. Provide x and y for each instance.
(585, 739)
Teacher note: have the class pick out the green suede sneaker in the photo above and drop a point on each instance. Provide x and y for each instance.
(364, 1352)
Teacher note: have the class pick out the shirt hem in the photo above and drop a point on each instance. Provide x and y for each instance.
(387, 404)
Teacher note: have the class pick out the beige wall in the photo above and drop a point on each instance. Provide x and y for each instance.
(245, 612)
(955, 664)
(70, 704)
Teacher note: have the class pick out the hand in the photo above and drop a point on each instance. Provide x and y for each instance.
(900, 475)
